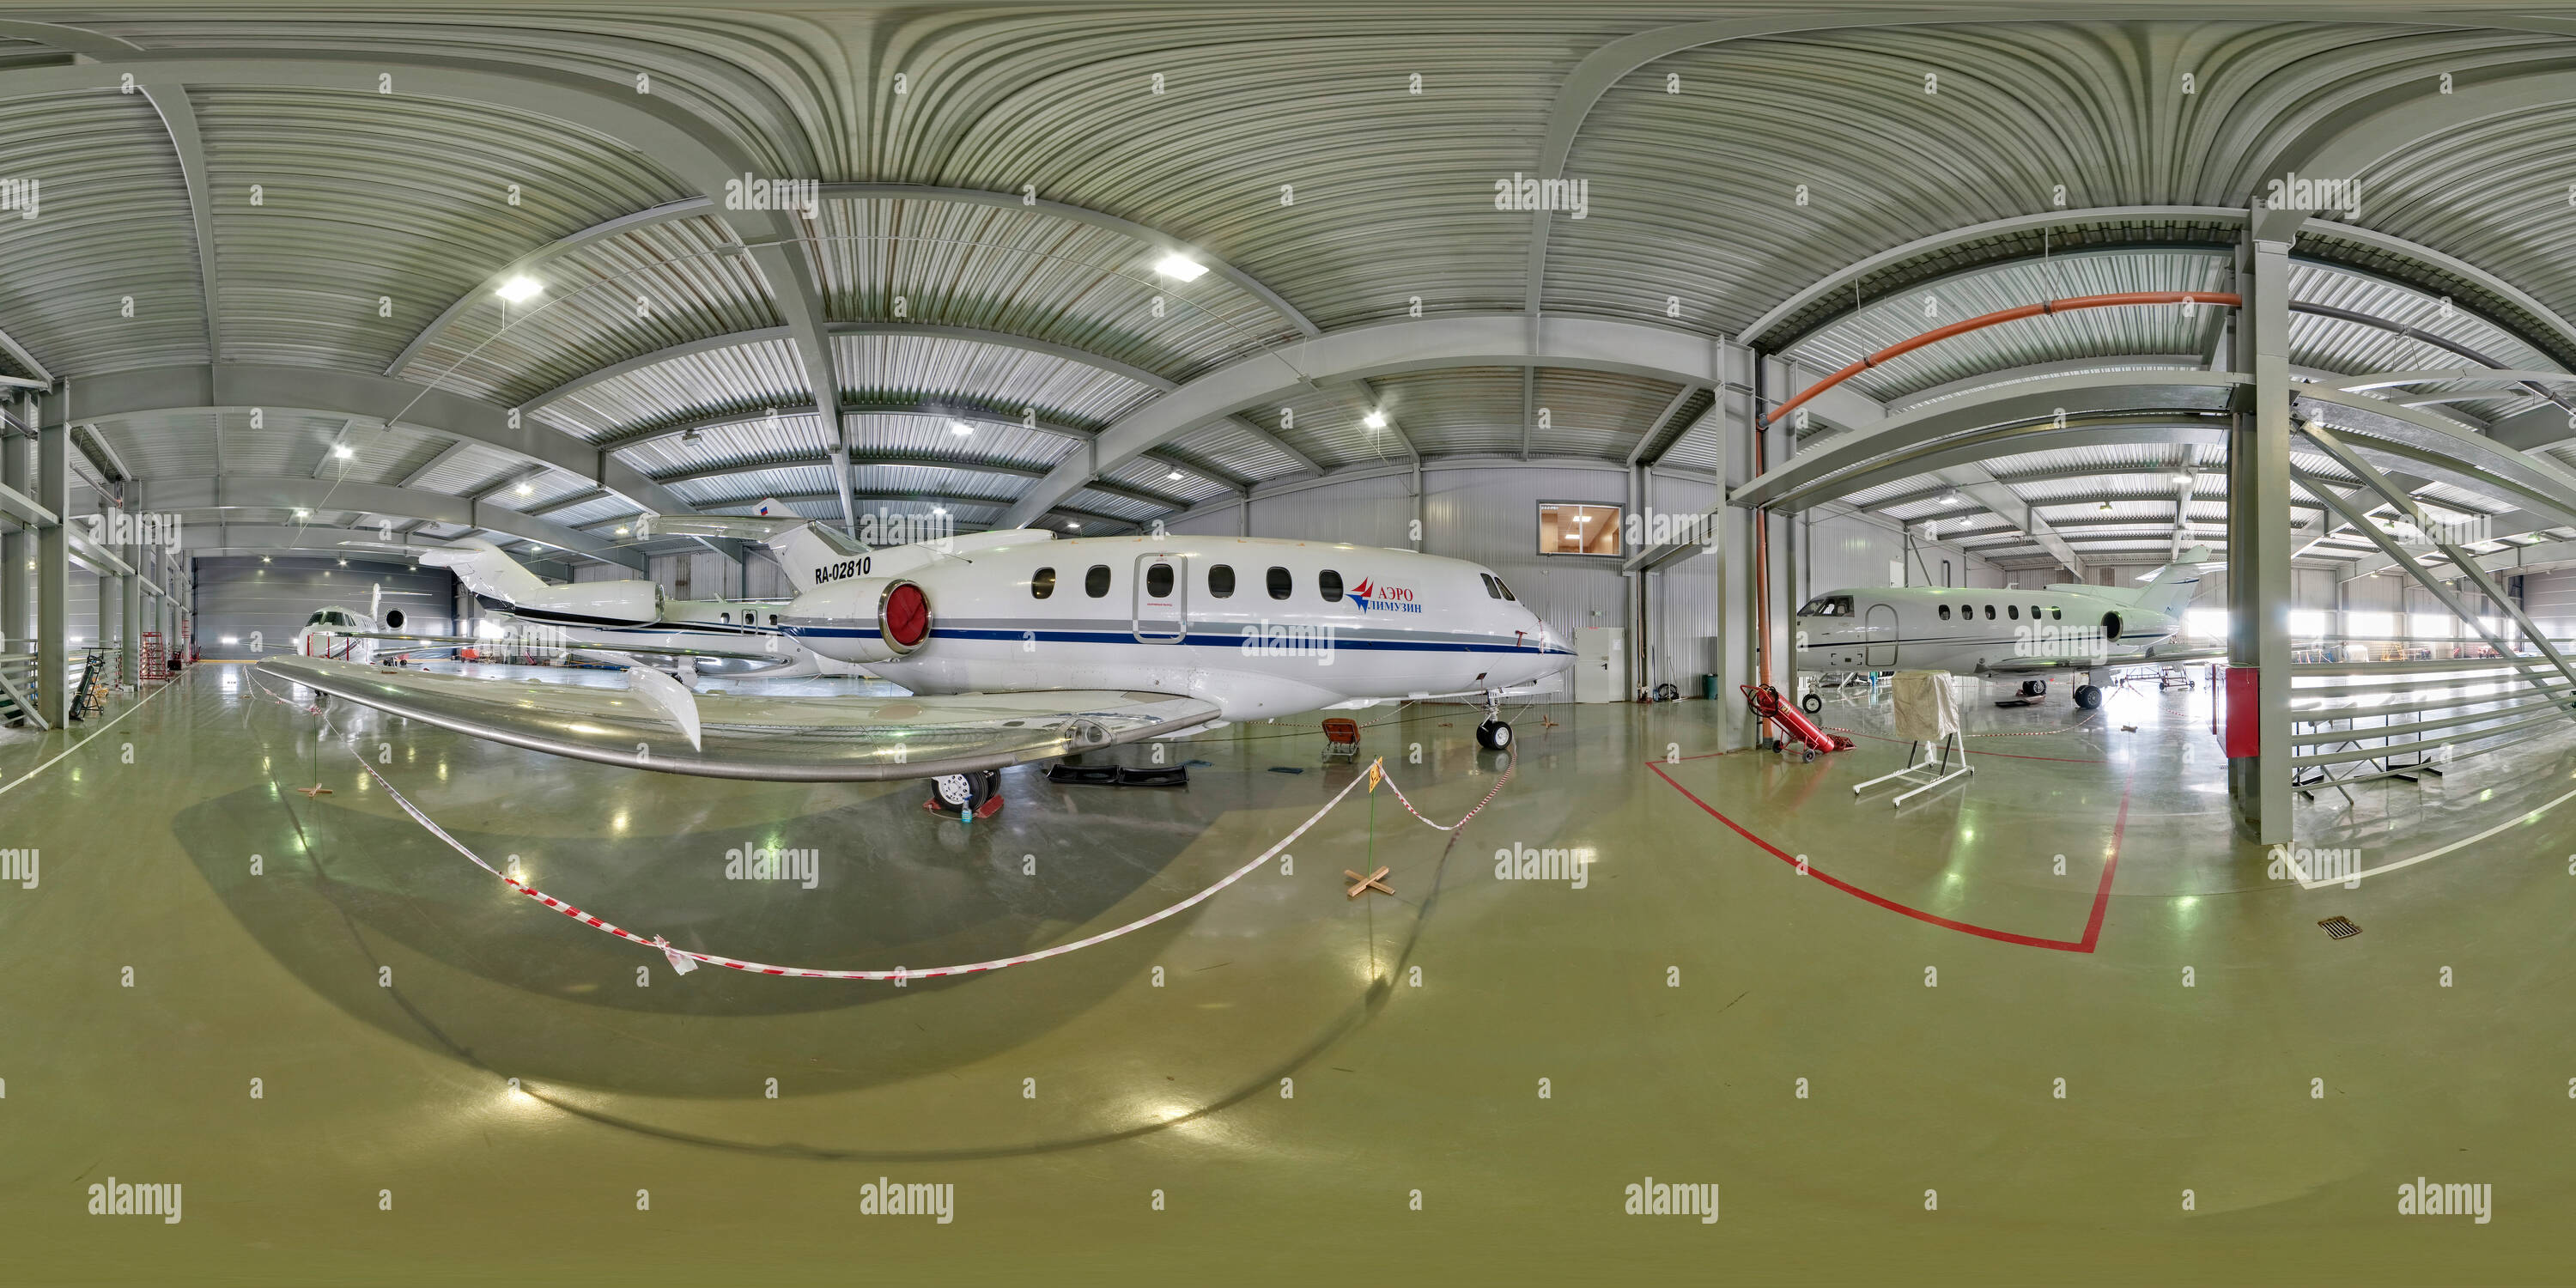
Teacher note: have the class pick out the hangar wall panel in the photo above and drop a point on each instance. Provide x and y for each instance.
(237, 595)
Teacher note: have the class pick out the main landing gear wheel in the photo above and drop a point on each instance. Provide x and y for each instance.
(1494, 735)
(2033, 688)
(976, 795)
(2088, 697)
(1811, 704)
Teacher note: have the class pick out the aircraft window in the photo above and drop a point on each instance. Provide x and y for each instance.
(1507, 590)
(317, 619)
(2034, 612)
(1827, 606)
(1221, 581)
(1945, 612)
(725, 617)
(2013, 611)
(1158, 580)
(2056, 614)
(773, 619)
(1043, 584)
(1329, 584)
(1281, 584)
(1095, 583)
(1493, 588)
(1990, 612)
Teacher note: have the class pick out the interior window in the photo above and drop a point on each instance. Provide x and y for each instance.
(1221, 581)
(1043, 584)
(1158, 581)
(1095, 583)
(1945, 612)
(1281, 584)
(1329, 584)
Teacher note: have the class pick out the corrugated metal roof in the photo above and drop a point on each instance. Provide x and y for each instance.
(367, 198)
(111, 221)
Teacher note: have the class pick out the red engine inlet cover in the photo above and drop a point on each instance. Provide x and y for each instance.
(907, 616)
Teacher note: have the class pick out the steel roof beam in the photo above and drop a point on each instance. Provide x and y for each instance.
(251, 492)
(1383, 349)
(368, 398)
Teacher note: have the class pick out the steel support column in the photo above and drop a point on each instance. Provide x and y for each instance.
(17, 550)
(2258, 528)
(54, 573)
(129, 621)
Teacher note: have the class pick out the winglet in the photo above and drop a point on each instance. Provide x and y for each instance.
(667, 696)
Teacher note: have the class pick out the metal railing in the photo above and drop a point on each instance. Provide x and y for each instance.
(2352, 722)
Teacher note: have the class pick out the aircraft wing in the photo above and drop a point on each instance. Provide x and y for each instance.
(770, 738)
(514, 644)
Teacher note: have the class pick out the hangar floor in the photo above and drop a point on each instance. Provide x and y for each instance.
(383, 991)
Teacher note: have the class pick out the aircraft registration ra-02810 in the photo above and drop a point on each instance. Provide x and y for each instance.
(1031, 649)
(2005, 634)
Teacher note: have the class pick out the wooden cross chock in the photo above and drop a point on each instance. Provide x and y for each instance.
(1369, 882)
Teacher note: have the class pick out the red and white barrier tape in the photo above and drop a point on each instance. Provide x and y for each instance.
(683, 960)
(1401, 798)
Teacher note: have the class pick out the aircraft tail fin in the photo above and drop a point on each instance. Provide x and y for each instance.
(488, 570)
(805, 549)
(2169, 590)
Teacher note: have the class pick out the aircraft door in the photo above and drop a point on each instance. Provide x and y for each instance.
(1881, 634)
(1162, 599)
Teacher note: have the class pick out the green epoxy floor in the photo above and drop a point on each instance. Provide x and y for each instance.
(1672, 1005)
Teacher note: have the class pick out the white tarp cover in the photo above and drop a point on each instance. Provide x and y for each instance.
(1925, 710)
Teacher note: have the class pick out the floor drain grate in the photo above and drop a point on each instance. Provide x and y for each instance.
(2338, 928)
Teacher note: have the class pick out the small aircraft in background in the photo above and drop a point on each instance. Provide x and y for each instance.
(348, 636)
(2006, 634)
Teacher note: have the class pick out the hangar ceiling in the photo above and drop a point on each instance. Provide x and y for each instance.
(975, 280)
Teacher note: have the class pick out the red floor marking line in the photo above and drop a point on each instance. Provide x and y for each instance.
(2092, 926)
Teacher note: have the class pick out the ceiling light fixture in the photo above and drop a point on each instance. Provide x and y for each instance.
(524, 489)
(1180, 267)
(342, 450)
(1375, 419)
(520, 290)
(960, 428)
(302, 513)
(621, 532)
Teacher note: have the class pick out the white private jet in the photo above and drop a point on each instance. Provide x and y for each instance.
(345, 634)
(1033, 649)
(2006, 634)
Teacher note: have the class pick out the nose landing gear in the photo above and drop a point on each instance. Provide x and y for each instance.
(1494, 734)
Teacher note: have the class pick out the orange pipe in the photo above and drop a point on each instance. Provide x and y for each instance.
(1982, 321)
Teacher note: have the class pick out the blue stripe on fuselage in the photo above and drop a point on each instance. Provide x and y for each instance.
(1202, 639)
